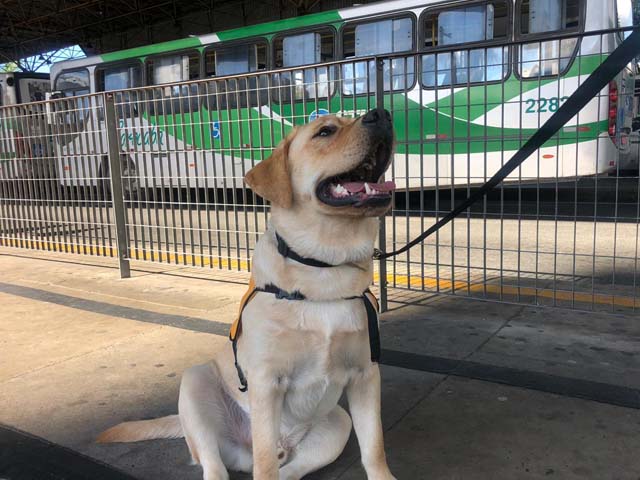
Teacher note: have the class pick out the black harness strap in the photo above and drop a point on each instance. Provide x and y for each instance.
(372, 307)
(281, 294)
(368, 298)
(372, 323)
(285, 251)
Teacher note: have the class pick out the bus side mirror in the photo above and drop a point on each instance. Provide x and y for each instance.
(53, 95)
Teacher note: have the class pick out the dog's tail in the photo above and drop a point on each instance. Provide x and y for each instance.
(165, 427)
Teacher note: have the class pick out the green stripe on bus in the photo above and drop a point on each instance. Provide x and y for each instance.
(164, 47)
(233, 34)
(279, 25)
(240, 138)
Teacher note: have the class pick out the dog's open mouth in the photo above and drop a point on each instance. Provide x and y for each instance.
(360, 187)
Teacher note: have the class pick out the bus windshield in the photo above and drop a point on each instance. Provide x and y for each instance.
(73, 83)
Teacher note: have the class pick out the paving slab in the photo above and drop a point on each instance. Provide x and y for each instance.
(467, 429)
(163, 288)
(35, 335)
(447, 327)
(596, 346)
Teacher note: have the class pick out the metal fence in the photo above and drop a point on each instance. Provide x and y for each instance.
(155, 173)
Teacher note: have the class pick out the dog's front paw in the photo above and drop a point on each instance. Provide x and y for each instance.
(385, 476)
(381, 474)
(215, 474)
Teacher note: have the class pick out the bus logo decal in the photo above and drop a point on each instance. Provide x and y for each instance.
(152, 136)
(321, 112)
(215, 130)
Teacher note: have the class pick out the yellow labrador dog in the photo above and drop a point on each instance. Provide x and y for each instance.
(306, 332)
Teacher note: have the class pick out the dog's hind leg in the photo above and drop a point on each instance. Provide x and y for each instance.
(213, 424)
(322, 444)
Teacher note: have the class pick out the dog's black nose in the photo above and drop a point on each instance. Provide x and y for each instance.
(378, 115)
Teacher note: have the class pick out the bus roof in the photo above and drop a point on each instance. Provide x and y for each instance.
(268, 28)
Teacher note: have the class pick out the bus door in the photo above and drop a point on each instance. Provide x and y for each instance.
(73, 112)
(165, 133)
(128, 109)
(235, 146)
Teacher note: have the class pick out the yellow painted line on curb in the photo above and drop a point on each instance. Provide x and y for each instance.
(439, 285)
(561, 295)
(136, 254)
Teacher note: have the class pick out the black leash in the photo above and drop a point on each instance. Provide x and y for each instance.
(599, 79)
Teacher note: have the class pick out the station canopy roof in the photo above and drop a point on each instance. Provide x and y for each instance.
(33, 27)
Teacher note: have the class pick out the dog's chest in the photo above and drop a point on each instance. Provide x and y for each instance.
(335, 350)
(312, 349)
(316, 398)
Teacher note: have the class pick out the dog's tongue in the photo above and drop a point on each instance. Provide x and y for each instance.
(356, 187)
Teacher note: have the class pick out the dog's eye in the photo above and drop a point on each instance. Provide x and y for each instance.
(326, 131)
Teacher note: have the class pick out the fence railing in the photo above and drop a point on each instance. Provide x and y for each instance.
(155, 173)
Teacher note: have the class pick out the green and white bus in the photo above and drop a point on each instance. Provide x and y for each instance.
(21, 148)
(468, 82)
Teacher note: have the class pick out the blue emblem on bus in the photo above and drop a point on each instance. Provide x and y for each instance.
(321, 112)
(215, 129)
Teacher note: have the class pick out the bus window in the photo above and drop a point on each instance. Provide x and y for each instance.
(235, 60)
(545, 17)
(542, 16)
(71, 84)
(466, 25)
(33, 89)
(174, 68)
(174, 99)
(624, 18)
(121, 78)
(304, 49)
(378, 38)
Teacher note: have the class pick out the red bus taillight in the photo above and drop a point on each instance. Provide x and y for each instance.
(613, 110)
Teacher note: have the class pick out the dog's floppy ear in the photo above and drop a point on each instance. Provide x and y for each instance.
(270, 178)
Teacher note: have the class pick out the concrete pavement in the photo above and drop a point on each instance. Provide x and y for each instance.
(83, 350)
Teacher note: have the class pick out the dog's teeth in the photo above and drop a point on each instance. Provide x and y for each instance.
(367, 189)
(339, 191)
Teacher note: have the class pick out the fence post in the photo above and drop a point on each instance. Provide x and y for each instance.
(115, 177)
(382, 236)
